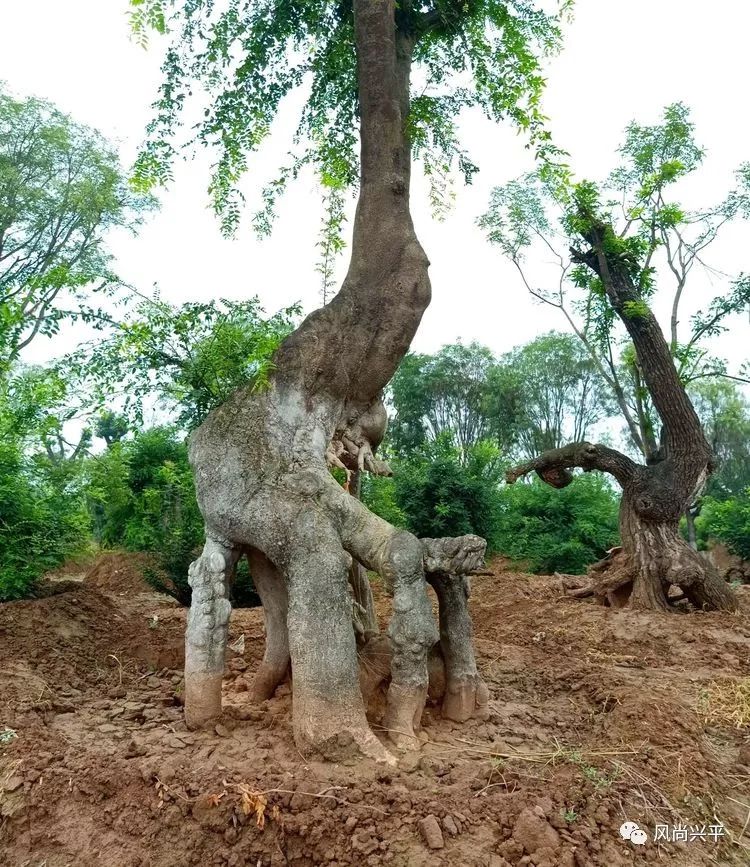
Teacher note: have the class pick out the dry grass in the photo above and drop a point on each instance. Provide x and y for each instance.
(726, 702)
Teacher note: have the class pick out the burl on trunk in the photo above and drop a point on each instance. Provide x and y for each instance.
(262, 475)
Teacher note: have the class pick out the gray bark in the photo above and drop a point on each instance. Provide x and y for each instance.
(206, 634)
(653, 556)
(367, 620)
(271, 588)
(466, 694)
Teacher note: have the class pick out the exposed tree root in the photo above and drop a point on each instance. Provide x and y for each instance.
(452, 673)
(656, 577)
(271, 588)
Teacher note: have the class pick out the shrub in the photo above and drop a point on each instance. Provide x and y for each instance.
(43, 520)
(142, 498)
(558, 530)
(379, 495)
(434, 494)
(727, 521)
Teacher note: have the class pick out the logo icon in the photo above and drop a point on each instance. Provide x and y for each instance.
(631, 831)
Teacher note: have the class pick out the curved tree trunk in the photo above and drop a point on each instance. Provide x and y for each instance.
(260, 460)
(653, 556)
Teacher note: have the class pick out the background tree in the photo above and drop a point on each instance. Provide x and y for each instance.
(61, 190)
(43, 518)
(724, 412)
(615, 270)
(111, 427)
(466, 394)
(323, 395)
(189, 358)
(547, 411)
(723, 513)
(446, 395)
(442, 492)
(727, 521)
(671, 240)
(460, 416)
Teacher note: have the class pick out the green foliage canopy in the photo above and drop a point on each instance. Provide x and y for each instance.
(725, 414)
(61, 190)
(465, 393)
(440, 495)
(649, 232)
(727, 521)
(558, 530)
(245, 57)
(43, 519)
(190, 356)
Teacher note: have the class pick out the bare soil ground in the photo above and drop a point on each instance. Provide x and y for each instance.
(598, 717)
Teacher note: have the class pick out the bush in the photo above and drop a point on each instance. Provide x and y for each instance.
(434, 494)
(379, 495)
(142, 498)
(558, 530)
(43, 520)
(727, 521)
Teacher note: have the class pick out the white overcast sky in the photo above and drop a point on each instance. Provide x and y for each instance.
(621, 61)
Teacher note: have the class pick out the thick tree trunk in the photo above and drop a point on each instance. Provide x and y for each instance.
(653, 559)
(260, 460)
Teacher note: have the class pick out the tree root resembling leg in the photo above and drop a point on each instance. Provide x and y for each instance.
(398, 557)
(641, 575)
(362, 593)
(699, 580)
(271, 588)
(328, 710)
(609, 581)
(466, 693)
(206, 635)
(412, 633)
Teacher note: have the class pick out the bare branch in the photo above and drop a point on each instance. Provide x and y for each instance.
(554, 466)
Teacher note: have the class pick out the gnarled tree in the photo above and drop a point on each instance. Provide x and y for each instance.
(653, 556)
(667, 238)
(261, 459)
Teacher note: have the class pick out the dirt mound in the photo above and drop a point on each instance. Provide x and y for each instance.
(598, 717)
(73, 641)
(732, 567)
(120, 572)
